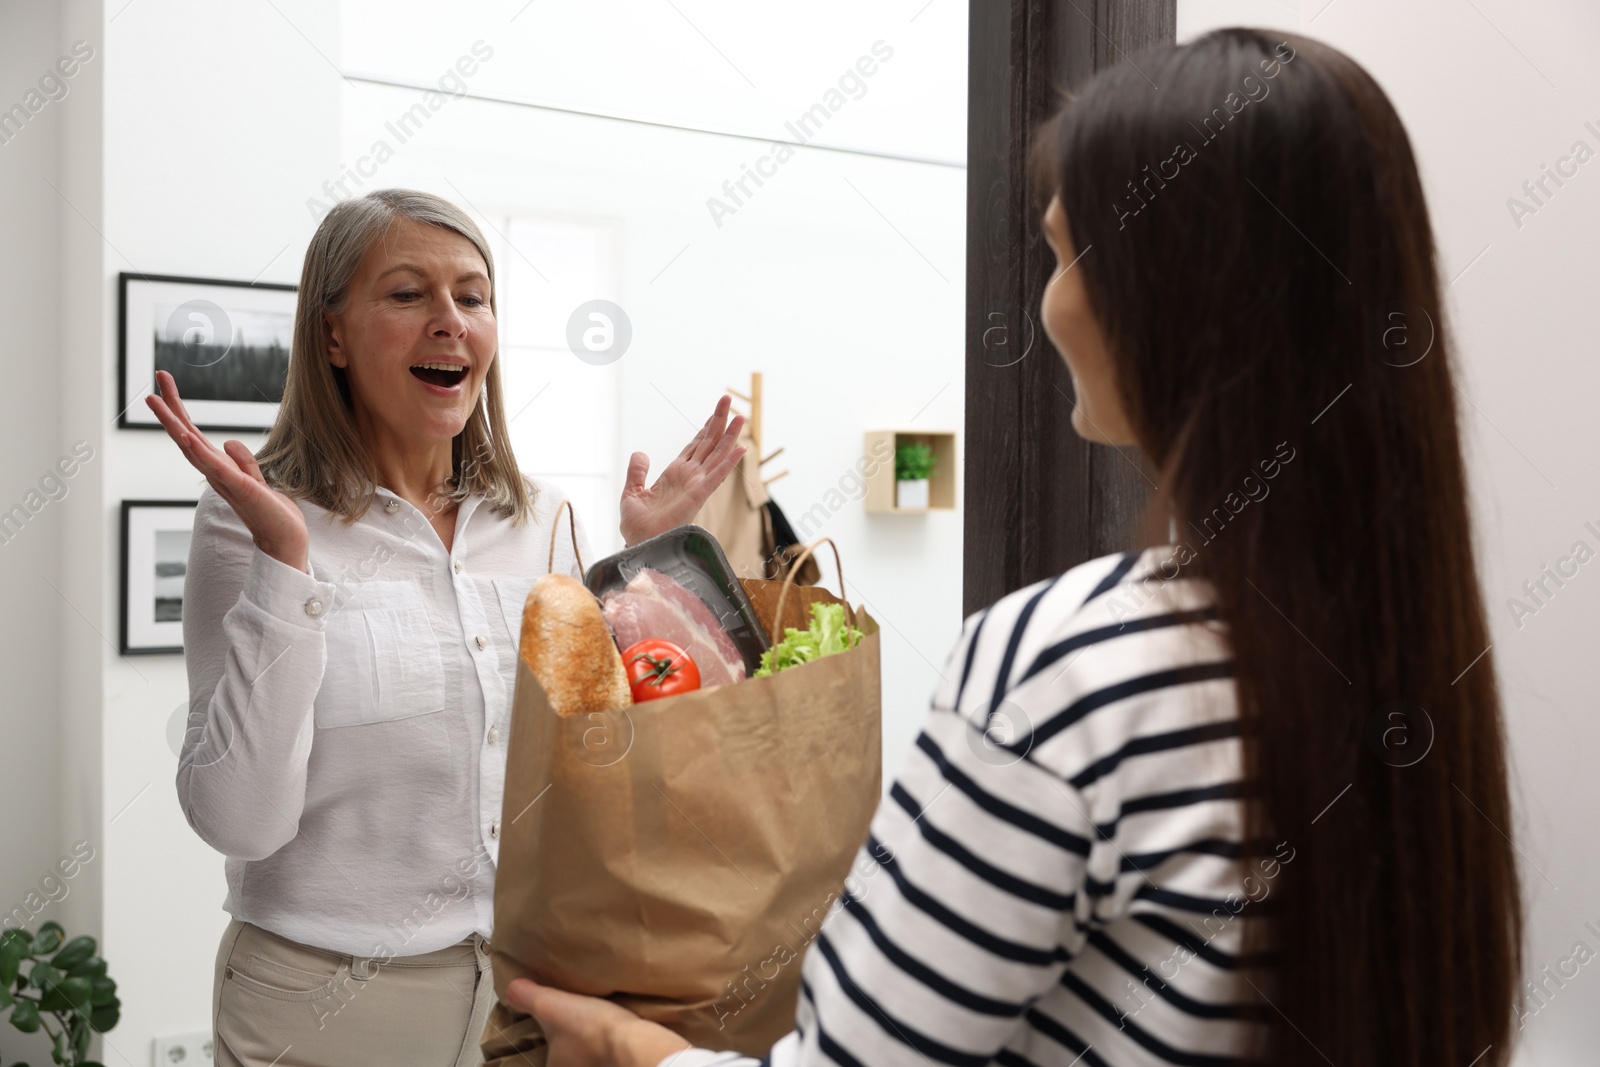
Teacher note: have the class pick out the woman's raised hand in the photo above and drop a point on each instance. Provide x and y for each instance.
(275, 522)
(683, 487)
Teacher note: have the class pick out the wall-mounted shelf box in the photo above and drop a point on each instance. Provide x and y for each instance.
(880, 481)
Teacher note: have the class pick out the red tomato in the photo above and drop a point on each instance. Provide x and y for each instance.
(659, 669)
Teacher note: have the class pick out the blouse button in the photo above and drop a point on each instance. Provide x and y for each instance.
(313, 607)
(494, 830)
(458, 566)
(481, 642)
(392, 505)
(494, 735)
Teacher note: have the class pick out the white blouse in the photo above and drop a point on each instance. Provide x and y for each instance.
(348, 727)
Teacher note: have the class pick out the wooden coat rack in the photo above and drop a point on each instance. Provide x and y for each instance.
(753, 399)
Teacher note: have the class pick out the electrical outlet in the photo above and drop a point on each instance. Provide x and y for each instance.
(182, 1050)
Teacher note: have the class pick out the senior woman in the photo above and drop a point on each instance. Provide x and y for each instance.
(354, 597)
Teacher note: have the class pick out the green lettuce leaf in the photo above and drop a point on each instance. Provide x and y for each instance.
(826, 635)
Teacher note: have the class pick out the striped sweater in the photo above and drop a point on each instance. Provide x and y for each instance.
(1055, 876)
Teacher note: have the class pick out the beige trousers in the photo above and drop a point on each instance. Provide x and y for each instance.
(278, 1002)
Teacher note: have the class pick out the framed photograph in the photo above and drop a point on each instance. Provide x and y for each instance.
(225, 343)
(155, 555)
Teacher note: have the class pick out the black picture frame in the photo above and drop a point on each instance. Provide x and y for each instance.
(148, 636)
(138, 297)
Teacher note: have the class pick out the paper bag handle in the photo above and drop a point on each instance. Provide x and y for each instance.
(794, 569)
(572, 526)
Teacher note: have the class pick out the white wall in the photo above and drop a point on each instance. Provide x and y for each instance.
(192, 143)
(31, 441)
(703, 65)
(1489, 91)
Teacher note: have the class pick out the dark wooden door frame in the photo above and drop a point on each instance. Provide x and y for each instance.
(1038, 498)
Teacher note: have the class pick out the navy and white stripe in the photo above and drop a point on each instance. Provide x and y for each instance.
(1051, 874)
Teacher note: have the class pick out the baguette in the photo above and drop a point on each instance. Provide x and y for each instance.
(569, 648)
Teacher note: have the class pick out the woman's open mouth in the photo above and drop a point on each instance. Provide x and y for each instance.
(444, 378)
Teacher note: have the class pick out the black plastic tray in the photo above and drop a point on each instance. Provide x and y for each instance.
(690, 556)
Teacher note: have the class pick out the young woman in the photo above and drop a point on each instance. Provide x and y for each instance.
(1254, 804)
(354, 597)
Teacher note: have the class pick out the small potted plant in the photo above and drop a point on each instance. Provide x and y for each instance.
(42, 979)
(913, 466)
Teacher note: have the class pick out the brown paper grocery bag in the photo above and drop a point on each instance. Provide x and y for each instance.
(679, 856)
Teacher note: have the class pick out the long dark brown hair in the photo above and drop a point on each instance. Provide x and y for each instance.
(1256, 246)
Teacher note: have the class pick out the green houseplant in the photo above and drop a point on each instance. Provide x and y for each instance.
(914, 463)
(44, 977)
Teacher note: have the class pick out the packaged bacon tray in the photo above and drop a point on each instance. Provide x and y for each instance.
(679, 587)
